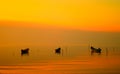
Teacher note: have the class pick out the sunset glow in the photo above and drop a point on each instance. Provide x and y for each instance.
(60, 37)
(91, 15)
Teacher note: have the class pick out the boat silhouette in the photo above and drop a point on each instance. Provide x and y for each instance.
(25, 51)
(95, 50)
(58, 50)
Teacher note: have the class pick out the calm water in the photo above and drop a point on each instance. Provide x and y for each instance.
(75, 57)
(72, 60)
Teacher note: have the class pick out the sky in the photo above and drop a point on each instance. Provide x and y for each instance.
(88, 15)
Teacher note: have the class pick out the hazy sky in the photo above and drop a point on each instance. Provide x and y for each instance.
(101, 15)
(59, 22)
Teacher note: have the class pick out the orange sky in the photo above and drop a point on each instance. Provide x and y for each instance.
(95, 15)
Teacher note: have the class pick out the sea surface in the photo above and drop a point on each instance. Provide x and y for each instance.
(75, 56)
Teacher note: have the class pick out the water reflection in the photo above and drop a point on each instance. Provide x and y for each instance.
(38, 54)
(25, 51)
(106, 51)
